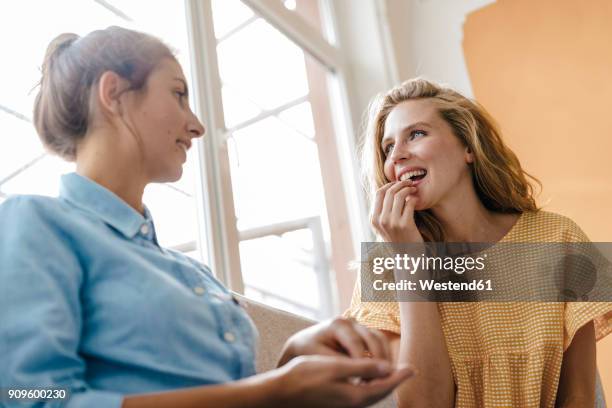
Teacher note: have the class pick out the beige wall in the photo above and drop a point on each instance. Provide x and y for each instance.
(544, 70)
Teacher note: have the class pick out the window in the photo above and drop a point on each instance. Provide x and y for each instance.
(264, 197)
(275, 155)
(25, 168)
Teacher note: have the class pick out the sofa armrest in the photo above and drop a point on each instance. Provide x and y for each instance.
(275, 327)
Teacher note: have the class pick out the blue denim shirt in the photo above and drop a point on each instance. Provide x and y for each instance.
(91, 303)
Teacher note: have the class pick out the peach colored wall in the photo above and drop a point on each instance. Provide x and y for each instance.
(544, 71)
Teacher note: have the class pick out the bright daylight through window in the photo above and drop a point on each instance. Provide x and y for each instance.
(276, 144)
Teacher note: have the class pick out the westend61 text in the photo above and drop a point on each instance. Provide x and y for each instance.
(430, 284)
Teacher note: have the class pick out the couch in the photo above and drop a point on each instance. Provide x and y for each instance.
(276, 326)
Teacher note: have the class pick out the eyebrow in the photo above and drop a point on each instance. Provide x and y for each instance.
(181, 80)
(406, 129)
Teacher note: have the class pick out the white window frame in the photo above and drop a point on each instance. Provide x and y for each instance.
(220, 237)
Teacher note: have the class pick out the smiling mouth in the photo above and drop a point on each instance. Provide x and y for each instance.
(182, 145)
(414, 175)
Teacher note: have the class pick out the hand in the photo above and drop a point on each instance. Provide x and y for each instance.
(315, 381)
(393, 213)
(337, 337)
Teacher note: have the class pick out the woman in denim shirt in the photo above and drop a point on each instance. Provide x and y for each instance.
(89, 301)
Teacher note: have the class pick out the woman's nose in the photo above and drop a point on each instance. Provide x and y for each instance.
(400, 152)
(196, 128)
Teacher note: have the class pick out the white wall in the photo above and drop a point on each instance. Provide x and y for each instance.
(427, 39)
(368, 53)
(388, 41)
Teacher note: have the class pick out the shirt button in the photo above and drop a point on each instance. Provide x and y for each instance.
(199, 290)
(229, 337)
(144, 229)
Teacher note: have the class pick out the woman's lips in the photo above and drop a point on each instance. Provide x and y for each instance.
(417, 182)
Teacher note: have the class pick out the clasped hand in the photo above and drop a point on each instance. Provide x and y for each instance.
(339, 363)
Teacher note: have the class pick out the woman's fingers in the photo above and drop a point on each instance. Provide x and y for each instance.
(391, 211)
(384, 341)
(366, 368)
(390, 194)
(366, 393)
(376, 342)
(351, 382)
(337, 381)
(399, 201)
(389, 203)
(349, 338)
(408, 211)
(377, 389)
(356, 339)
(378, 204)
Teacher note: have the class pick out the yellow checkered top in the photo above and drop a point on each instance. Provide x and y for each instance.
(505, 354)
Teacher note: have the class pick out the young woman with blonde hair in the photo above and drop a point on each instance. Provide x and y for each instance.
(438, 171)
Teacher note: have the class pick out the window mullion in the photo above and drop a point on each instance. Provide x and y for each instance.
(344, 90)
(325, 281)
(266, 114)
(298, 30)
(215, 194)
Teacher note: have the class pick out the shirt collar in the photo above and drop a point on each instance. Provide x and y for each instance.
(103, 203)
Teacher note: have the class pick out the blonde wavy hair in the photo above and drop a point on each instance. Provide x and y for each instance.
(500, 182)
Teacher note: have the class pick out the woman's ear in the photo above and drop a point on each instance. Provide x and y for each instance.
(110, 87)
(469, 156)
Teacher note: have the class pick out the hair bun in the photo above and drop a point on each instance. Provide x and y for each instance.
(57, 46)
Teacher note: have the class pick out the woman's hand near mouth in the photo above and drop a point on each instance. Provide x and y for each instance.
(392, 215)
(421, 343)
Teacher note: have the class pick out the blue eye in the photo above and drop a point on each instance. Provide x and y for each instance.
(414, 134)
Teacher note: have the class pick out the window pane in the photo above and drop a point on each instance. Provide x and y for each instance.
(237, 107)
(19, 144)
(275, 174)
(173, 206)
(269, 75)
(228, 15)
(299, 118)
(49, 18)
(164, 19)
(279, 270)
(174, 213)
(41, 178)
